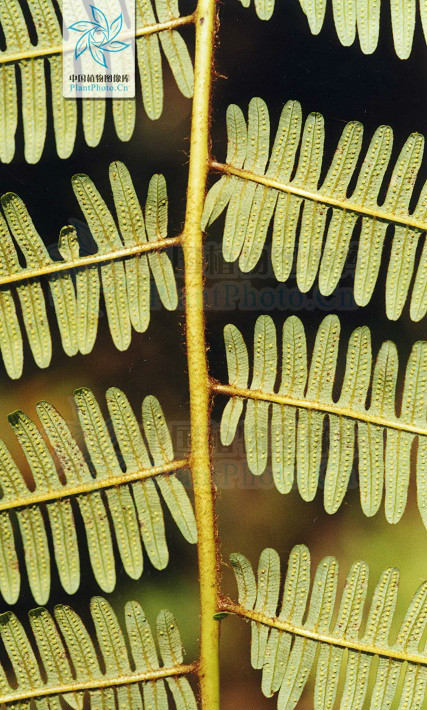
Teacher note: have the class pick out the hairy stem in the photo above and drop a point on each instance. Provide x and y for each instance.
(351, 644)
(200, 457)
(319, 407)
(316, 196)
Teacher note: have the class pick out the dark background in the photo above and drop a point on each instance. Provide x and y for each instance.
(276, 60)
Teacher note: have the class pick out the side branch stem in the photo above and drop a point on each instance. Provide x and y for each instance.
(57, 266)
(97, 683)
(37, 52)
(200, 457)
(90, 486)
(233, 391)
(353, 645)
(314, 196)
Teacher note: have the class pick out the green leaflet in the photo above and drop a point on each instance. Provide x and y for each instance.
(10, 578)
(10, 334)
(377, 631)
(76, 297)
(402, 265)
(238, 372)
(171, 488)
(93, 119)
(289, 206)
(83, 300)
(156, 222)
(104, 231)
(19, 649)
(136, 457)
(34, 114)
(342, 225)
(92, 506)
(397, 202)
(8, 112)
(220, 194)
(175, 49)
(368, 24)
(239, 207)
(346, 626)
(345, 20)
(296, 429)
(114, 652)
(82, 654)
(132, 230)
(30, 295)
(294, 601)
(36, 255)
(76, 645)
(64, 112)
(408, 639)
(301, 225)
(314, 214)
(53, 654)
(399, 444)
(266, 602)
(149, 61)
(363, 14)
(342, 431)
(264, 8)
(318, 619)
(33, 534)
(370, 437)
(310, 423)
(315, 12)
(245, 578)
(136, 518)
(172, 655)
(33, 98)
(280, 168)
(283, 419)
(291, 651)
(60, 513)
(403, 16)
(124, 116)
(144, 654)
(264, 376)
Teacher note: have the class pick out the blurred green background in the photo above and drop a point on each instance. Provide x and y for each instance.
(277, 60)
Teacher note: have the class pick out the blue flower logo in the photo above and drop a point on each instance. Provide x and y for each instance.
(98, 36)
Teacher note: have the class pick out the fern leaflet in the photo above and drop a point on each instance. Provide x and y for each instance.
(303, 405)
(151, 34)
(285, 641)
(131, 497)
(361, 16)
(317, 222)
(126, 283)
(120, 685)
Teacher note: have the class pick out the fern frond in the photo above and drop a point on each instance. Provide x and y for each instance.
(131, 496)
(361, 17)
(70, 667)
(30, 59)
(318, 221)
(285, 640)
(127, 255)
(302, 408)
